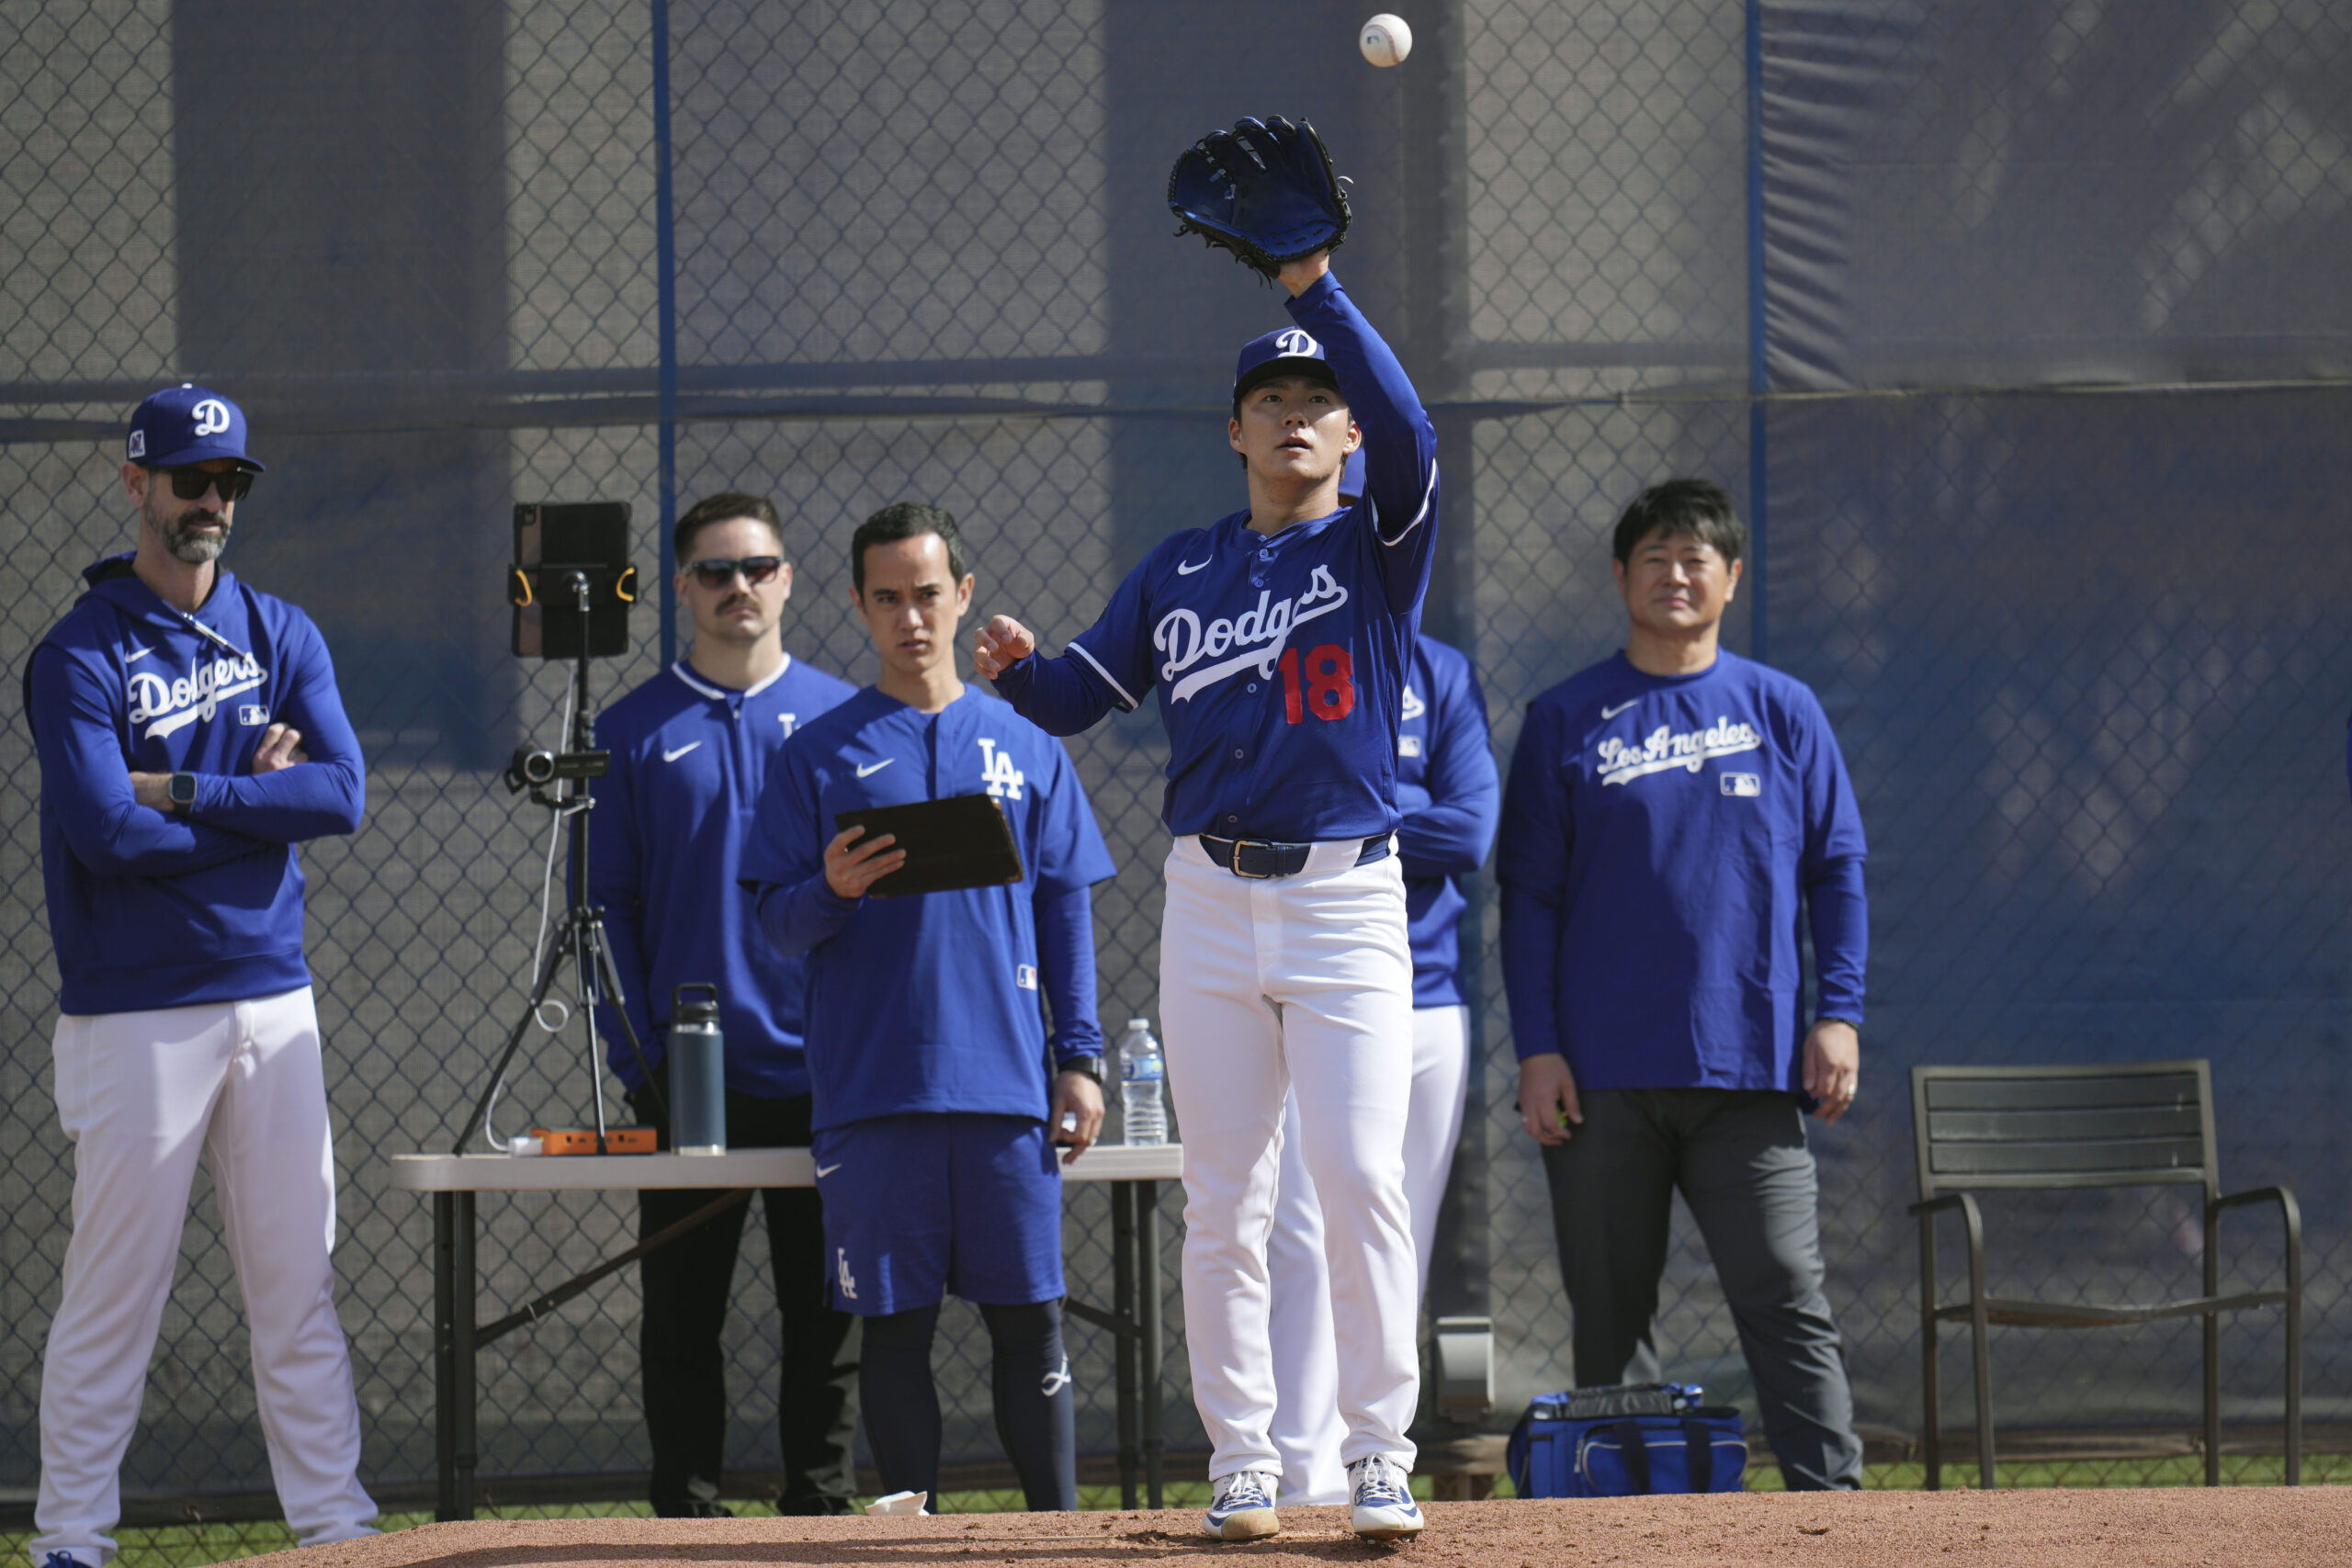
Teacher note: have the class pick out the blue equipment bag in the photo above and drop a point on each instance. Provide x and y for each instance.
(1629, 1441)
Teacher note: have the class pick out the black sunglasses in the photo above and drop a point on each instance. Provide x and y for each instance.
(189, 484)
(719, 572)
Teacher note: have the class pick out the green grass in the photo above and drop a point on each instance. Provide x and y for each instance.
(2180, 1469)
(190, 1546)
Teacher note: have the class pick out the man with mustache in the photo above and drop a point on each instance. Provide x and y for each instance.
(691, 750)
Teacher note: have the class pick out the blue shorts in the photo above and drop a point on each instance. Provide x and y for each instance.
(918, 1205)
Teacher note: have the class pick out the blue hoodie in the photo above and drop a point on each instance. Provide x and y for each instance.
(153, 912)
(688, 760)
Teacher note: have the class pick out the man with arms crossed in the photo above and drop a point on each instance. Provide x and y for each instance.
(1450, 795)
(190, 736)
(690, 749)
(1673, 814)
(935, 1112)
(1278, 641)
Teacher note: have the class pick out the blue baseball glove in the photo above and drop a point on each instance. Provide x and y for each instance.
(1263, 190)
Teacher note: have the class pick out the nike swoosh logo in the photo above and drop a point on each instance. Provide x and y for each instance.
(1183, 570)
(1621, 707)
(825, 1170)
(875, 767)
(135, 658)
(674, 756)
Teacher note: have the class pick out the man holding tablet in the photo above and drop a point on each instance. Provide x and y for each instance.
(935, 1114)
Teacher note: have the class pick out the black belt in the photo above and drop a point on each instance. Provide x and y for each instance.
(1257, 858)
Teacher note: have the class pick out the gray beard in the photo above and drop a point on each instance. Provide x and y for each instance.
(192, 547)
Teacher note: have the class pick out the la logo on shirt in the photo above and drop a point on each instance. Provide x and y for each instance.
(996, 772)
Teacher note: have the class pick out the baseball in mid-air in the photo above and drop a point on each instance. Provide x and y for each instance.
(1386, 40)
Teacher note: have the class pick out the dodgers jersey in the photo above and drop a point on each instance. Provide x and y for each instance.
(1665, 833)
(688, 760)
(149, 910)
(1278, 658)
(933, 1002)
(1451, 797)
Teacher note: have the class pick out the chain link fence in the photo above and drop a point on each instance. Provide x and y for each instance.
(2010, 326)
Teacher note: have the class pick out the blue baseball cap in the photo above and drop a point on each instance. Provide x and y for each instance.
(1290, 352)
(186, 424)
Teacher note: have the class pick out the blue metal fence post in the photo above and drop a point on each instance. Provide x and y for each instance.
(1759, 381)
(665, 253)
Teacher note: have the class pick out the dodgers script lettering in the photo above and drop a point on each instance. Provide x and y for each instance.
(169, 706)
(1267, 628)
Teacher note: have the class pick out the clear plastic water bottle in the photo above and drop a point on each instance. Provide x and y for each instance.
(1143, 1081)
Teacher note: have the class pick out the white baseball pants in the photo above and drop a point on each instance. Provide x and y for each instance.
(1295, 984)
(1308, 1431)
(143, 1096)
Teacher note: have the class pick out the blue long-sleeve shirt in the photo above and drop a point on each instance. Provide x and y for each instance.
(689, 759)
(1450, 795)
(1665, 835)
(1278, 658)
(147, 911)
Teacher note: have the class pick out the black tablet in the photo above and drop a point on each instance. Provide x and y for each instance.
(962, 841)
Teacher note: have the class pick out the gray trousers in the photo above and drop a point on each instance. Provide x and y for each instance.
(1740, 1160)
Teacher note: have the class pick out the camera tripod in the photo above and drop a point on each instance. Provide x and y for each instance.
(580, 941)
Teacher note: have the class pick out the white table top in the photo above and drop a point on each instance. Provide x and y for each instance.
(745, 1168)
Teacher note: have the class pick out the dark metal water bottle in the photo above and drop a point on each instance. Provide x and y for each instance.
(697, 1072)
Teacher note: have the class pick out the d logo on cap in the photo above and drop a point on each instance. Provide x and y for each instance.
(184, 424)
(1296, 344)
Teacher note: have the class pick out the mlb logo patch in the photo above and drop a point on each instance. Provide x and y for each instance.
(1744, 786)
(252, 713)
(138, 444)
(1408, 746)
(1024, 976)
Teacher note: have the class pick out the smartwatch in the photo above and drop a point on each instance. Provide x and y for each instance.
(1092, 1065)
(181, 792)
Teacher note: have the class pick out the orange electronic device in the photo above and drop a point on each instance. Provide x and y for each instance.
(618, 1140)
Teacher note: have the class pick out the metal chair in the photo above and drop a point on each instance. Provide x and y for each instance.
(2081, 1127)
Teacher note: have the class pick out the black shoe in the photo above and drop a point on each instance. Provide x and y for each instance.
(815, 1505)
(694, 1508)
(701, 1502)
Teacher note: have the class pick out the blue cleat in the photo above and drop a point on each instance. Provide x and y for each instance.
(1382, 1496)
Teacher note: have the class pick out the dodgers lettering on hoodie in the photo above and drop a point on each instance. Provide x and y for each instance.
(149, 910)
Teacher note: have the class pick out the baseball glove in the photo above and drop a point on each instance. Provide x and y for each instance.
(1263, 190)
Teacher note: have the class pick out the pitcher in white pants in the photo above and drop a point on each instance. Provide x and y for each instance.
(1301, 984)
(1276, 643)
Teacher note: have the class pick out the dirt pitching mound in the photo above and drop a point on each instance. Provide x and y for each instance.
(2240, 1527)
